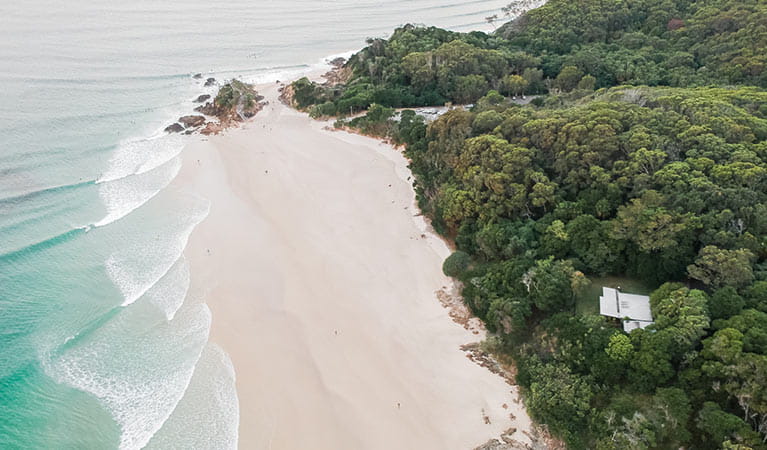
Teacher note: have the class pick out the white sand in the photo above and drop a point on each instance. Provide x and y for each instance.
(323, 293)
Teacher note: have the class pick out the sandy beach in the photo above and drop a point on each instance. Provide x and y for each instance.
(322, 281)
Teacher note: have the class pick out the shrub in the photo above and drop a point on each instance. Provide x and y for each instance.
(456, 264)
(486, 121)
(305, 93)
(326, 109)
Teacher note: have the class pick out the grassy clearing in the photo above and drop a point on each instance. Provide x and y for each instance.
(588, 301)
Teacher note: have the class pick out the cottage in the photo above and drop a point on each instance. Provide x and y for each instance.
(632, 309)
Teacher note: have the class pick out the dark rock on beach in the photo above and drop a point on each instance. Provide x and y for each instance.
(211, 109)
(210, 82)
(197, 76)
(338, 62)
(174, 128)
(192, 121)
(202, 98)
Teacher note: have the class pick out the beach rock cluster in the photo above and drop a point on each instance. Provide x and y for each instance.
(505, 443)
(191, 121)
(235, 102)
(286, 95)
(174, 128)
(186, 124)
(339, 74)
(540, 439)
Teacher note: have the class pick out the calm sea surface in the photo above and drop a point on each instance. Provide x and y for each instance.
(102, 345)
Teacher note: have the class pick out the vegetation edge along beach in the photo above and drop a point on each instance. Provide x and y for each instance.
(641, 160)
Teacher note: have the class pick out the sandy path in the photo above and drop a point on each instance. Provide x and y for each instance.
(323, 293)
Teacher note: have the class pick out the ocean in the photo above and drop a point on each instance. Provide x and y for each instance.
(102, 343)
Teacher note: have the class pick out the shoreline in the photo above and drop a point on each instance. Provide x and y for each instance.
(304, 264)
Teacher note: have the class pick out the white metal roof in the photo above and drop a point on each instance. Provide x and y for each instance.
(614, 303)
(608, 303)
(635, 307)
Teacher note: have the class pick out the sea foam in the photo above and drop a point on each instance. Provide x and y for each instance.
(141, 375)
(123, 195)
(169, 293)
(140, 265)
(208, 416)
(284, 73)
(137, 156)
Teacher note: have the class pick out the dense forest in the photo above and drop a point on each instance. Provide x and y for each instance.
(641, 157)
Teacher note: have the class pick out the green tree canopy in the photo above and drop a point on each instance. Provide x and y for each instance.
(718, 267)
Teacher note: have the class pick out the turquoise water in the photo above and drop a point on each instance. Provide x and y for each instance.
(102, 345)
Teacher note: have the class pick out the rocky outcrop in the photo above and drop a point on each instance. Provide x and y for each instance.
(339, 74)
(212, 128)
(338, 62)
(192, 121)
(197, 76)
(540, 439)
(286, 95)
(174, 128)
(505, 443)
(210, 82)
(235, 102)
